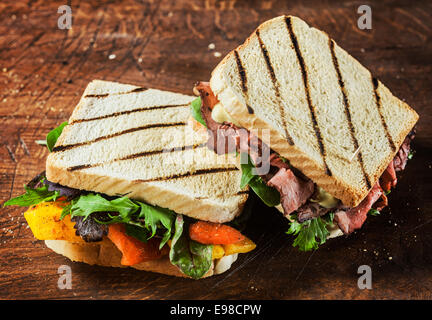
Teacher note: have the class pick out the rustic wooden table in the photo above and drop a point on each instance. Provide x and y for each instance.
(165, 44)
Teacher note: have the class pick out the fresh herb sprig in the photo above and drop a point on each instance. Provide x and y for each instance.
(311, 233)
(33, 196)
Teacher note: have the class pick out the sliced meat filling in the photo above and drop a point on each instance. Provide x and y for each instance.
(353, 218)
(311, 210)
(296, 190)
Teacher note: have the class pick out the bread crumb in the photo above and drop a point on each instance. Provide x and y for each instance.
(390, 258)
(217, 54)
(112, 56)
(140, 60)
(211, 46)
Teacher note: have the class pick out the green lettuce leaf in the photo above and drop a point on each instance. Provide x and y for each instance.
(53, 135)
(33, 196)
(269, 195)
(142, 220)
(194, 259)
(154, 217)
(89, 203)
(196, 111)
(310, 233)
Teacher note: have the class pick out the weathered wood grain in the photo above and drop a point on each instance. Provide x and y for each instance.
(164, 44)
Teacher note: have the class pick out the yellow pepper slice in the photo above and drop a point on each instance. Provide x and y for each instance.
(44, 221)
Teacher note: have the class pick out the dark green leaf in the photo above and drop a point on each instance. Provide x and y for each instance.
(196, 111)
(53, 135)
(270, 196)
(246, 169)
(194, 259)
(139, 233)
(33, 196)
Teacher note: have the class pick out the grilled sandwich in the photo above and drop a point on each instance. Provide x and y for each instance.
(332, 135)
(128, 183)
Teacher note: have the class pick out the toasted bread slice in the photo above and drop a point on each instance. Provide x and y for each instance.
(127, 140)
(326, 113)
(105, 253)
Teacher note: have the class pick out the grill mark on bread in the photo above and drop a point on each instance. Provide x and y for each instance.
(243, 78)
(189, 174)
(149, 126)
(275, 86)
(120, 113)
(104, 95)
(226, 195)
(138, 155)
(303, 70)
(348, 113)
(375, 84)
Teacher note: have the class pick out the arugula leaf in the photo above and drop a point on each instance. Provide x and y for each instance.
(155, 216)
(374, 212)
(308, 232)
(270, 196)
(194, 259)
(411, 154)
(196, 111)
(142, 220)
(33, 196)
(89, 203)
(53, 135)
